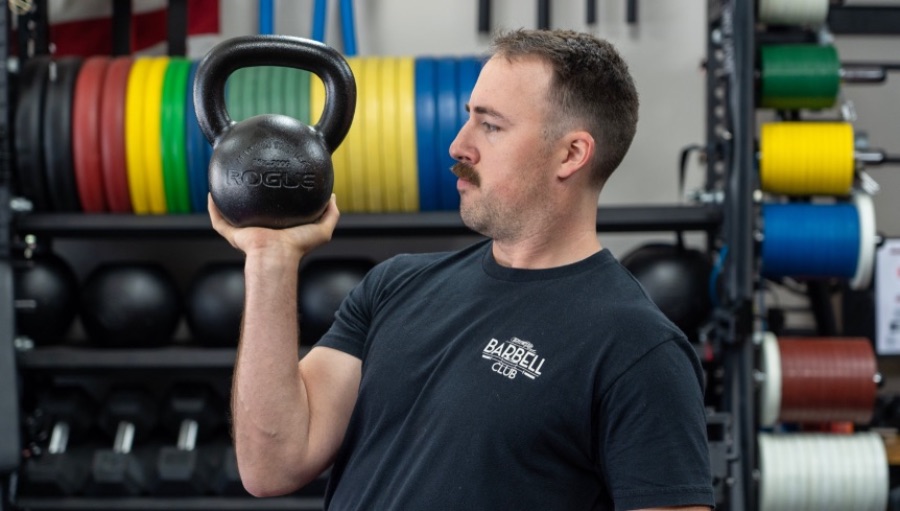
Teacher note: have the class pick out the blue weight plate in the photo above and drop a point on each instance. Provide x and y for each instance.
(448, 127)
(197, 161)
(426, 133)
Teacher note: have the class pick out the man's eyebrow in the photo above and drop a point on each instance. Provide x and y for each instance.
(490, 112)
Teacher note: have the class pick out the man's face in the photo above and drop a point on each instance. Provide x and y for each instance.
(504, 160)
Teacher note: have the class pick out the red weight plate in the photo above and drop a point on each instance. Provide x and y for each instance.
(86, 134)
(827, 380)
(112, 135)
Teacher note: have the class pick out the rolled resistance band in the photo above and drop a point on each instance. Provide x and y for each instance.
(793, 12)
(812, 158)
(807, 158)
(823, 472)
(817, 380)
(818, 241)
(797, 76)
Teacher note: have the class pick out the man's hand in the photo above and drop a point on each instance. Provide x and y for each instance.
(301, 239)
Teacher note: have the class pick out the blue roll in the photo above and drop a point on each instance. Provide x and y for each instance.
(810, 241)
(426, 133)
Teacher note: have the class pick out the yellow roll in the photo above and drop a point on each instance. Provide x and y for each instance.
(806, 158)
(156, 191)
(406, 124)
(134, 136)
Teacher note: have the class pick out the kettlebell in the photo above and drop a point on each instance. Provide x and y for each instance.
(272, 170)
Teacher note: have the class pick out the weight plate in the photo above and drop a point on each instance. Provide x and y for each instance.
(406, 134)
(29, 121)
(234, 85)
(153, 134)
(263, 92)
(371, 131)
(197, 162)
(303, 96)
(291, 91)
(86, 134)
(276, 91)
(389, 117)
(356, 156)
(59, 169)
(448, 126)
(426, 132)
(112, 135)
(469, 67)
(135, 143)
(172, 133)
(248, 93)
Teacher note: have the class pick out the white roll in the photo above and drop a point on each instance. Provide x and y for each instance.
(793, 12)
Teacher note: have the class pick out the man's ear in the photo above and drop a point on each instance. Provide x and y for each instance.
(578, 151)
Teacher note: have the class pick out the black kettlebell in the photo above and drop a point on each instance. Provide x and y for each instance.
(272, 170)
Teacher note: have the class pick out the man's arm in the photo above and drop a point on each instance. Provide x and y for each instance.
(289, 417)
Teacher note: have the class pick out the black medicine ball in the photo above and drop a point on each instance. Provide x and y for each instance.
(324, 283)
(215, 304)
(46, 294)
(676, 279)
(130, 304)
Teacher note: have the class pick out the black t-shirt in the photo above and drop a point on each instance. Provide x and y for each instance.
(486, 387)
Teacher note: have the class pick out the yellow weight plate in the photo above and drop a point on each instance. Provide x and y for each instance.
(153, 93)
(373, 141)
(339, 156)
(357, 177)
(389, 133)
(134, 136)
(406, 133)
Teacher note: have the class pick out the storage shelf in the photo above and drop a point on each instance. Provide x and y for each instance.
(170, 504)
(60, 358)
(437, 223)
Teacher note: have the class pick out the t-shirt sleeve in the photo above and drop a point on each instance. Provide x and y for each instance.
(652, 445)
(351, 323)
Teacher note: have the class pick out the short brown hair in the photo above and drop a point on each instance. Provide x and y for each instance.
(591, 85)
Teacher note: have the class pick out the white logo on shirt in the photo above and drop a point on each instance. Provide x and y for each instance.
(513, 357)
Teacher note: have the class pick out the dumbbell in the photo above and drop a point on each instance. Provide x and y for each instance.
(227, 479)
(129, 414)
(55, 472)
(190, 410)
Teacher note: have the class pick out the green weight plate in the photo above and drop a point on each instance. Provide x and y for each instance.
(303, 95)
(235, 88)
(248, 93)
(174, 136)
(291, 99)
(276, 90)
(263, 91)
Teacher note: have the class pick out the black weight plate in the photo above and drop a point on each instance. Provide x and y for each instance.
(59, 168)
(32, 84)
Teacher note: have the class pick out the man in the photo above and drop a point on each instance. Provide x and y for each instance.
(529, 371)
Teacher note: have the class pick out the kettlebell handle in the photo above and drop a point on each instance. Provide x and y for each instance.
(275, 50)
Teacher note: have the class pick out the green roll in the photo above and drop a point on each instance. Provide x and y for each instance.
(799, 76)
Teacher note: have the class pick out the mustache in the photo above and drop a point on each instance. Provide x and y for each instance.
(466, 172)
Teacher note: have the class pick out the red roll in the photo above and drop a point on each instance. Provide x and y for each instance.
(827, 380)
